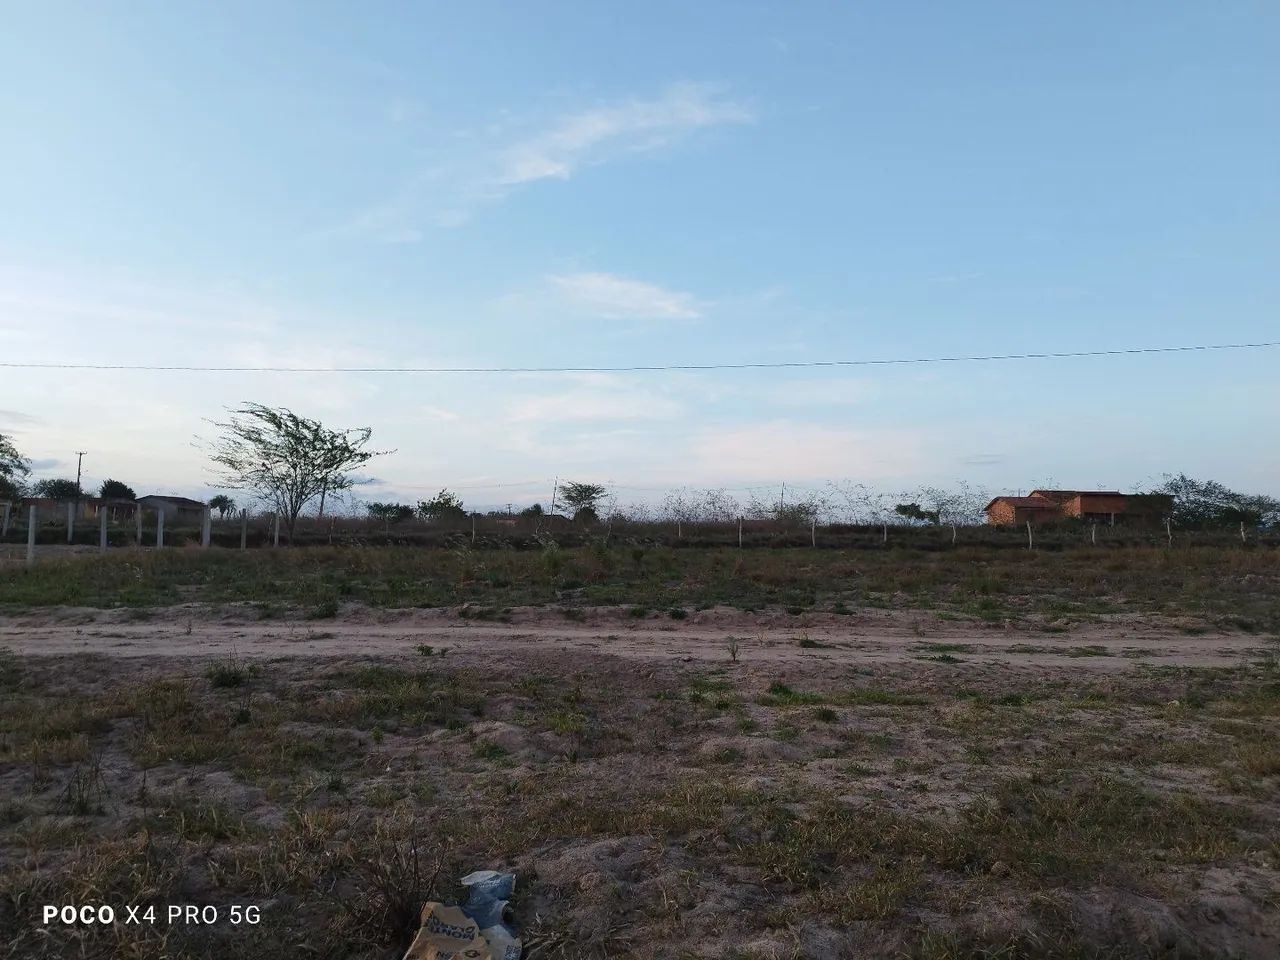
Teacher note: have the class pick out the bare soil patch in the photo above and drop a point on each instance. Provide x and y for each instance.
(1106, 644)
(877, 784)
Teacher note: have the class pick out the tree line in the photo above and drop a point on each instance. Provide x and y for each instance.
(290, 462)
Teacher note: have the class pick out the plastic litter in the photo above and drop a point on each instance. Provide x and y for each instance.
(474, 931)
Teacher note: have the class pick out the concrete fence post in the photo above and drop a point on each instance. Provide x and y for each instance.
(137, 515)
(31, 536)
(71, 522)
(473, 529)
(1168, 530)
(275, 529)
(884, 533)
(1093, 534)
(244, 528)
(813, 532)
(206, 524)
(1031, 544)
(739, 533)
(159, 529)
(1243, 539)
(102, 530)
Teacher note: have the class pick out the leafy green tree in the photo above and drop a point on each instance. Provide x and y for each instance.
(116, 490)
(223, 504)
(580, 497)
(14, 469)
(389, 512)
(913, 511)
(443, 506)
(1208, 503)
(532, 511)
(56, 489)
(286, 459)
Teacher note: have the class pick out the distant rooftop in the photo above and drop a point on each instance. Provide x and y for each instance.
(179, 501)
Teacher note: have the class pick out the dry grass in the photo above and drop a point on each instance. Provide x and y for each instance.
(1227, 587)
(926, 811)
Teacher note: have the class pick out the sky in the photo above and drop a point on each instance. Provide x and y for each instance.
(603, 184)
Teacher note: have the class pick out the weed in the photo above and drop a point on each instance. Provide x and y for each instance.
(85, 791)
(780, 695)
(326, 609)
(871, 697)
(566, 722)
(1091, 650)
(391, 877)
(228, 673)
(488, 750)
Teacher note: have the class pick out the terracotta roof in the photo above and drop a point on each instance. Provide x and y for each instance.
(1068, 494)
(178, 501)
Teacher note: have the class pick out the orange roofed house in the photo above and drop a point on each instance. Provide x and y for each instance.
(1094, 506)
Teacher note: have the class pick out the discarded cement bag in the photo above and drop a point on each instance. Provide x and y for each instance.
(474, 931)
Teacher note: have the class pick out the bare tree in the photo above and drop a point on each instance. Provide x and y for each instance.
(680, 506)
(286, 459)
(718, 506)
(862, 504)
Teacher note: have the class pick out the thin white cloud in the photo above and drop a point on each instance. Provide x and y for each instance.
(590, 136)
(483, 166)
(620, 298)
(429, 413)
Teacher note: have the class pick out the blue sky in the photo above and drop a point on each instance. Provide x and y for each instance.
(602, 184)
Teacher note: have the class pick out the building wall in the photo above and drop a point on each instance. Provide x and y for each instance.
(172, 511)
(1001, 512)
(1036, 515)
(1093, 503)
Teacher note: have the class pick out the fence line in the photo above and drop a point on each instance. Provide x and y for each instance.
(154, 530)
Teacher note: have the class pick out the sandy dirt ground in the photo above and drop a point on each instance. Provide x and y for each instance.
(1115, 644)
(882, 784)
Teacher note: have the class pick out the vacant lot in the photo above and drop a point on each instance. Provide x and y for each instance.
(1236, 588)
(682, 754)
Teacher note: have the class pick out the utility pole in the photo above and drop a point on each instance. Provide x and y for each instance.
(71, 514)
(79, 460)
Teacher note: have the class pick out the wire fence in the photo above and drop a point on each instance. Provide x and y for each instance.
(53, 536)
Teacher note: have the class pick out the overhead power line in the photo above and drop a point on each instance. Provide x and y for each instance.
(644, 368)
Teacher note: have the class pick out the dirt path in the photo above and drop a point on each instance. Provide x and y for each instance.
(874, 636)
